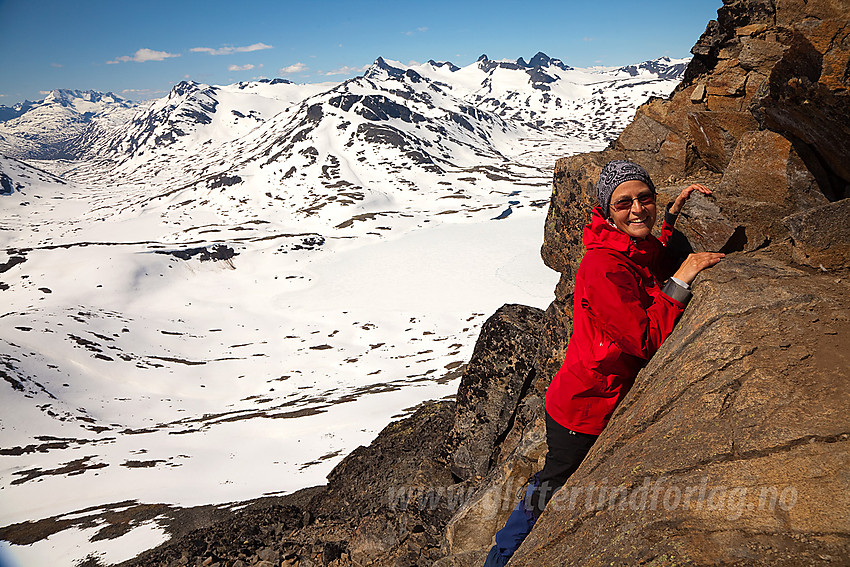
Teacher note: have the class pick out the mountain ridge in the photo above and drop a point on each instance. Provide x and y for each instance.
(75, 143)
(47, 129)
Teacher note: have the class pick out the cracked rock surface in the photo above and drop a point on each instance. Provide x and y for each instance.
(734, 445)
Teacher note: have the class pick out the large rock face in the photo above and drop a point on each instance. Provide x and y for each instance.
(497, 377)
(732, 448)
(735, 426)
(779, 65)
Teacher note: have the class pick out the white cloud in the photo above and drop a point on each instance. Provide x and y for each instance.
(346, 70)
(44, 92)
(142, 94)
(423, 29)
(143, 55)
(247, 67)
(57, 65)
(227, 50)
(296, 68)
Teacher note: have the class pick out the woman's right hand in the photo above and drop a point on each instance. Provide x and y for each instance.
(683, 197)
(695, 263)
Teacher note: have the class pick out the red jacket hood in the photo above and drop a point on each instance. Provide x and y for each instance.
(601, 234)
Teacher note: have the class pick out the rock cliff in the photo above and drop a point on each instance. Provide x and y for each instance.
(732, 447)
(740, 409)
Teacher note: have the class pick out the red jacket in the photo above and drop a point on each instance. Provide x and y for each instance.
(620, 318)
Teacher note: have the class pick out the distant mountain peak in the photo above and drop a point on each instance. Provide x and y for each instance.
(67, 97)
(543, 60)
(381, 67)
(276, 81)
(663, 67)
(540, 59)
(44, 129)
(534, 66)
(452, 67)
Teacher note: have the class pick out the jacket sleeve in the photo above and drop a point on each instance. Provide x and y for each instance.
(667, 225)
(633, 319)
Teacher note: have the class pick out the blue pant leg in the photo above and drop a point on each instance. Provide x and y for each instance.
(495, 558)
(518, 526)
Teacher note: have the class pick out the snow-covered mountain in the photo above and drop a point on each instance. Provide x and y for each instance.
(544, 95)
(373, 140)
(49, 128)
(235, 286)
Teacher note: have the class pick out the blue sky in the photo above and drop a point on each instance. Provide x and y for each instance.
(140, 49)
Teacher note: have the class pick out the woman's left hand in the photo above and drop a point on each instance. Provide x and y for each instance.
(686, 194)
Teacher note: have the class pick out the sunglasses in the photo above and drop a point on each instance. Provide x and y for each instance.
(625, 203)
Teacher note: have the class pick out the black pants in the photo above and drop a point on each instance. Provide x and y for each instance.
(567, 450)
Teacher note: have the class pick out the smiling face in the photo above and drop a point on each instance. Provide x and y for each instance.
(638, 219)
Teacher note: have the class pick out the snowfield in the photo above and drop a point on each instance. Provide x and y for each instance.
(222, 296)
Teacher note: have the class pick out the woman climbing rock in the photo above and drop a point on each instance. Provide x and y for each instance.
(625, 307)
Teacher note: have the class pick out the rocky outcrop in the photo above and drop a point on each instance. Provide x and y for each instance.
(496, 378)
(821, 236)
(732, 448)
(780, 66)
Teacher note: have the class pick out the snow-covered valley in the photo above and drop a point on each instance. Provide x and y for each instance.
(222, 295)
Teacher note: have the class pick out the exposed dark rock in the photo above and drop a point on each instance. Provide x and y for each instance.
(499, 374)
(452, 67)
(379, 65)
(7, 186)
(223, 180)
(218, 533)
(344, 101)
(314, 113)
(540, 59)
(409, 452)
(379, 107)
(658, 68)
(13, 261)
(461, 121)
(215, 252)
(381, 134)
